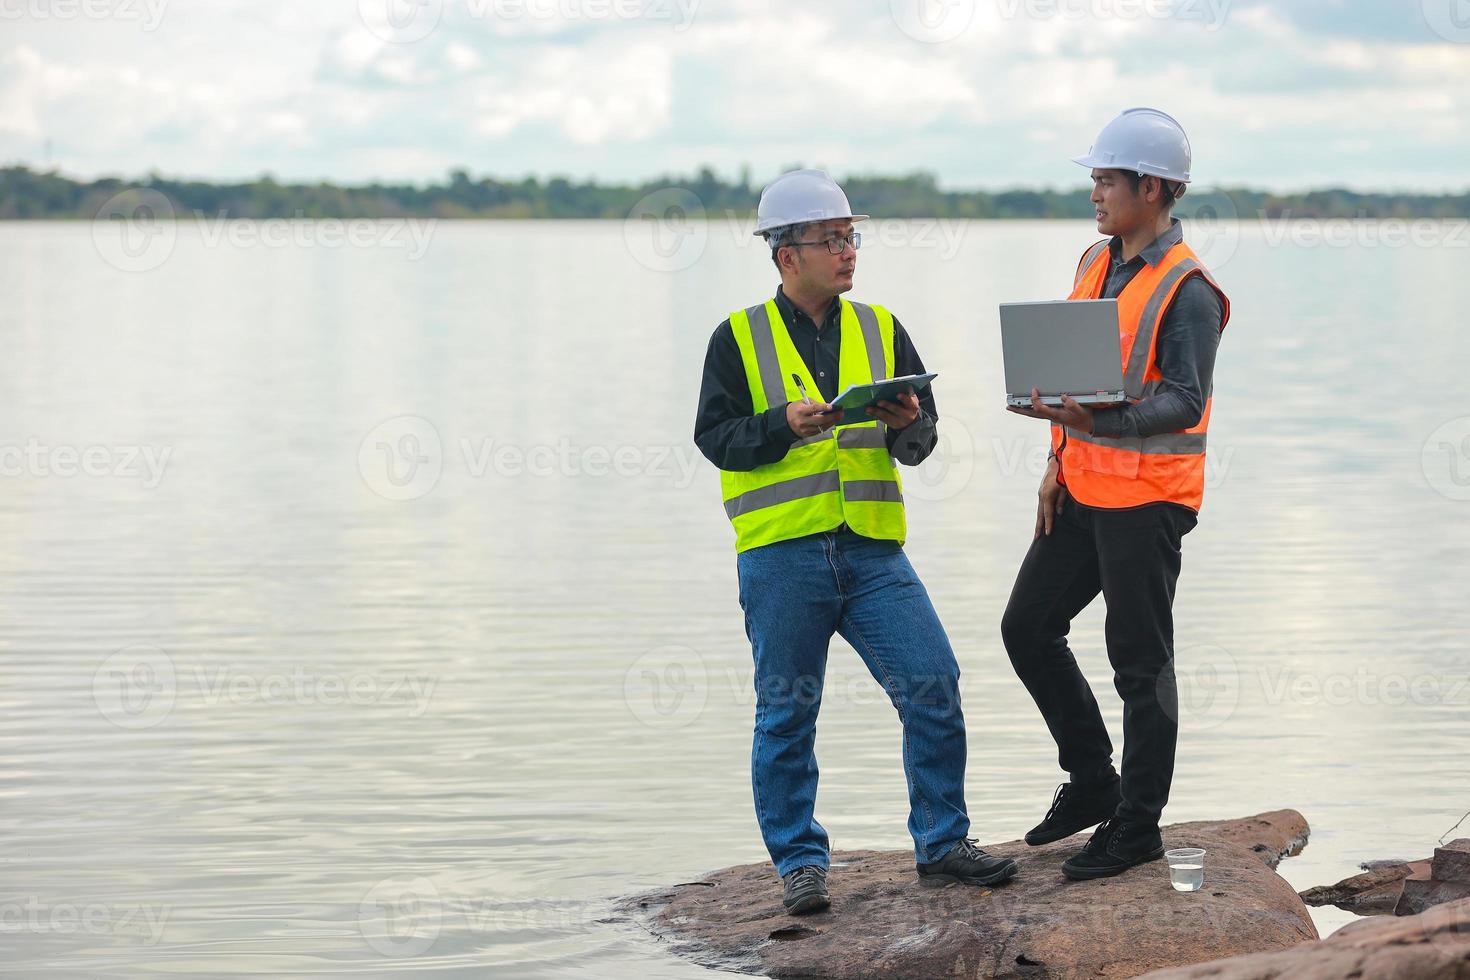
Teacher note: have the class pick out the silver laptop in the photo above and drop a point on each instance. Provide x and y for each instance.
(1062, 347)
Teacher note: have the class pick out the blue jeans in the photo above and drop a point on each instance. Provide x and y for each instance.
(796, 594)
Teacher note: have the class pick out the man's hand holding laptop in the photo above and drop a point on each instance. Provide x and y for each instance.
(1071, 414)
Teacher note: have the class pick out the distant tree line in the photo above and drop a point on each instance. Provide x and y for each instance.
(37, 194)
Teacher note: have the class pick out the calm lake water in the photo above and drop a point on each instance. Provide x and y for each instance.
(366, 608)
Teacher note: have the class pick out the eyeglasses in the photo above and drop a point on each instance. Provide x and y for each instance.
(835, 246)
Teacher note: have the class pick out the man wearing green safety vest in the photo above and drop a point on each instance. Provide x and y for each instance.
(819, 529)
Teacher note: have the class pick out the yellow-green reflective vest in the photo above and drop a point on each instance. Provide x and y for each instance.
(842, 475)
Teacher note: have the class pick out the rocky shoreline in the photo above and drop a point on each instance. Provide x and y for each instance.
(1247, 922)
(1401, 887)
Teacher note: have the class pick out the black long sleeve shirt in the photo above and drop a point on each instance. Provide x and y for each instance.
(734, 438)
(1188, 339)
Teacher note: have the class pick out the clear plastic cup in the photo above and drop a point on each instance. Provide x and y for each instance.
(1186, 868)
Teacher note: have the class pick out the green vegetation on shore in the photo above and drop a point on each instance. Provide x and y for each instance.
(34, 194)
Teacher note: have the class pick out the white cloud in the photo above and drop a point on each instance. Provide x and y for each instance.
(230, 88)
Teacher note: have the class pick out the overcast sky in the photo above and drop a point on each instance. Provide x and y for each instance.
(1372, 94)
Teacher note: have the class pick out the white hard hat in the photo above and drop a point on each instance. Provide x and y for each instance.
(800, 196)
(1145, 141)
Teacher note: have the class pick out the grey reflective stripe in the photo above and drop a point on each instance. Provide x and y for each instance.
(872, 339)
(1166, 444)
(783, 492)
(1089, 257)
(872, 490)
(853, 437)
(809, 440)
(862, 437)
(766, 360)
(1148, 323)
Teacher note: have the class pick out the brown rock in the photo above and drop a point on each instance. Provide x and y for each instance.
(1432, 946)
(1452, 862)
(884, 925)
(1273, 836)
(1374, 892)
(1422, 892)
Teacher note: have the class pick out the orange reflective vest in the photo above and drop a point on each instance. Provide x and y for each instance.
(1130, 472)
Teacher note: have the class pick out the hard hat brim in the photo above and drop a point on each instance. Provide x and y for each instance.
(1094, 163)
(759, 231)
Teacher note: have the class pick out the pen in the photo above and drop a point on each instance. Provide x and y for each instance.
(800, 387)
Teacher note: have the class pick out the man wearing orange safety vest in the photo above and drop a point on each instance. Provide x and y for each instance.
(1123, 485)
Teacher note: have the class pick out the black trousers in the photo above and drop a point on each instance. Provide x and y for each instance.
(1132, 558)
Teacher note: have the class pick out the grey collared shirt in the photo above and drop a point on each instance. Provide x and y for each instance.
(1188, 339)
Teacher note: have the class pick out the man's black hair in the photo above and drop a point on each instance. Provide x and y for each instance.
(777, 237)
(1135, 178)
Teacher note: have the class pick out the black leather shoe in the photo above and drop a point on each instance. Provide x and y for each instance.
(966, 864)
(1075, 807)
(805, 891)
(1115, 847)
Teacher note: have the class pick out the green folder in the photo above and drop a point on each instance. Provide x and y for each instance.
(857, 398)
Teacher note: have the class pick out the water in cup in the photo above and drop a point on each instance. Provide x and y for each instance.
(1186, 868)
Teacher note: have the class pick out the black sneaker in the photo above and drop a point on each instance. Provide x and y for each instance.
(805, 890)
(1115, 847)
(1075, 807)
(966, 864)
